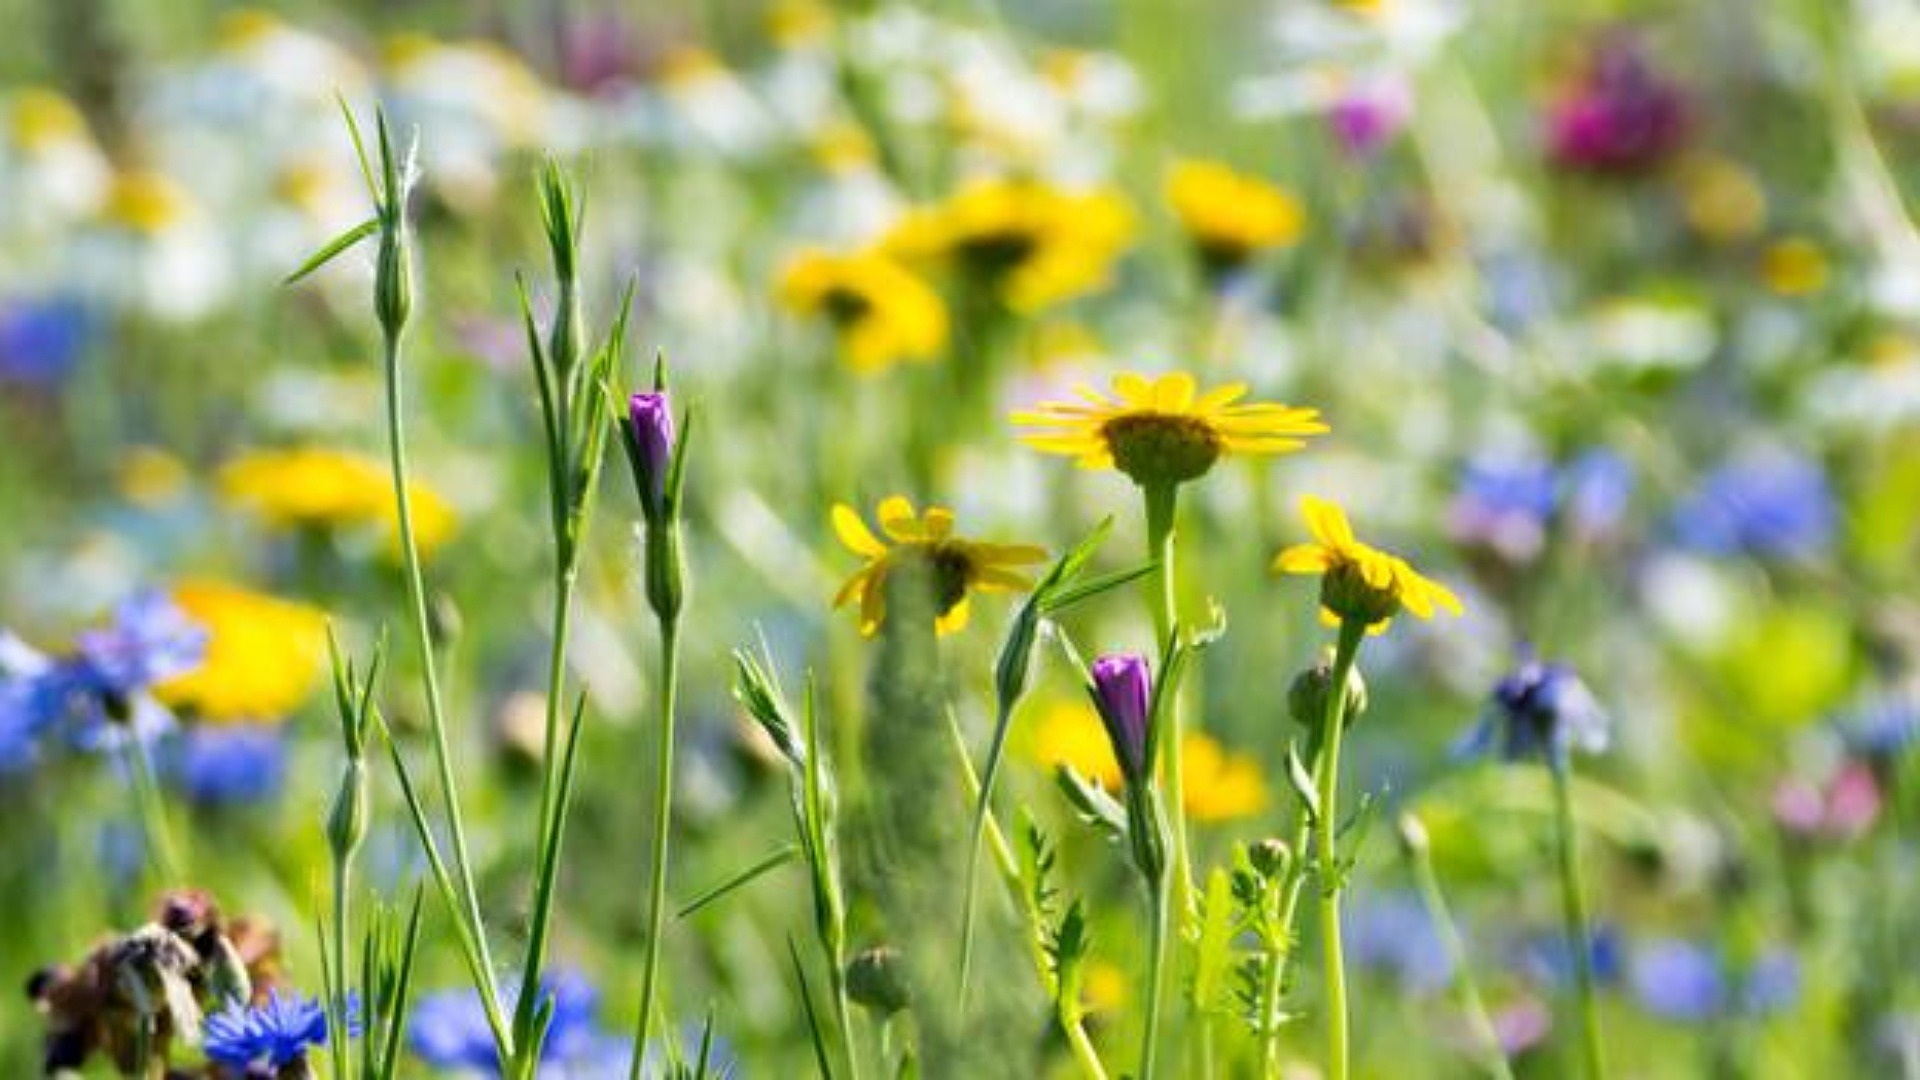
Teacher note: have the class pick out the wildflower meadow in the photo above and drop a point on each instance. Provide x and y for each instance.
(566, 539)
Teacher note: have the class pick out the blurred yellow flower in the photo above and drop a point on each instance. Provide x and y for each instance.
(1794, 266)
(38, 118)
(146, 202)
(149, 476)
(924, 544)
(1216, 784)
(1164, 430)
(881, 312)
(1104, 987)
(263, 655)
(1031, 243)
(1231, 216)
(1358, 581)
(791, 24)
(1721, 198)
(314, 487)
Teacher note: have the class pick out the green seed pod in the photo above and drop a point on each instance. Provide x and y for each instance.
(347, 820)
(877, 979)
(1270, 857)
(1307, 697)
(393, 276)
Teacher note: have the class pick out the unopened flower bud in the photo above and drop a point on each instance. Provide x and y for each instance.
(877, 979)
(347, 820)
(1270, 857)
(1307, 697)
(650, 447)
(1123, 690)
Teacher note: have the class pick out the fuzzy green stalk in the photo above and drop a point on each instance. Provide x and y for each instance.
(1157, 904)
(152, 809)
(1326, 837)
(1573, 907)
(469, 901)
(1162, 505)
(662, 823)
(1419, 853)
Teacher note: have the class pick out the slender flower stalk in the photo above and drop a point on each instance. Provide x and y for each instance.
(1162, 505)
(1418, 848)
(151, 807)
(1326, 838)
(658, 459)
(1573, 908)
(346, 832)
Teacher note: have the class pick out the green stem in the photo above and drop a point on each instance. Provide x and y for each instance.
(469, 908)
(1162, 502)
(1573, 903)
(342, 1059)
(152, 808)
(1326, 823)
(1156, 976)
(662, 808)
(552, 804)
(1429, 884)
(1282, 946)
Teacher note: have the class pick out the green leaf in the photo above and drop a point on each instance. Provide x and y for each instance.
(820, 1055)
(333, 248)
(1091, 803)
(778, 858)
(1302, 783)
(1213, 954)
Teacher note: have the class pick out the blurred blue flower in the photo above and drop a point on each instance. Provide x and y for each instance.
(1882, 725)
(1599, 484)
(227, 765)
(1505, 504)
(1539, 711)
(449, 1031)
(1678, 980)
(1548, 958)
(1772, 984)
(1769, 505)
(1393, 934)
(275, 1033)
(40, 341)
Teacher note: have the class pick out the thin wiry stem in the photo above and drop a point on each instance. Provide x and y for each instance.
(1573, 901)
(662, 822)
(1326, 835)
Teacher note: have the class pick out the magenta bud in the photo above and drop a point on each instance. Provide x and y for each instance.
(650, 441)
(1123, 690)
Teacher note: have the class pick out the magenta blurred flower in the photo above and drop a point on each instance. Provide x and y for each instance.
(1368, 116)
(1623, 117)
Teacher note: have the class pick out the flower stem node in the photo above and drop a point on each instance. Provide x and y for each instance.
(1307, 696)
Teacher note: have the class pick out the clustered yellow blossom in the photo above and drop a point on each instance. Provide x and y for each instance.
(924, 546)
(1164, 430)
(1231, 216)
(1031, 243)
(315, 487)
(1357, 581)
(1216, 784)
(881, 312)
(264, 655)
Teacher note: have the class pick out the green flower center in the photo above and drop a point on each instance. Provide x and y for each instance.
(994, 254)
(846, 306)
(1161, 448)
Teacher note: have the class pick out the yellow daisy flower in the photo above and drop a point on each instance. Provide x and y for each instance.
(924, 544)
(1358, 581)
(1164, 431)
(314, 487)
(1229, 215)
(1215, 783)
(1794, 266)
(38, 118)
(1033, 244)
(263, 655)
(147, 203)
(882, 312)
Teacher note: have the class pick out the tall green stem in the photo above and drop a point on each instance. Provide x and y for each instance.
(662, 808)
(436, 715)
(1162, 504)
(1326, 836)
(1436, 901)
(152, 808)
(1156, 975)
(1573, 903)
(337, 1015)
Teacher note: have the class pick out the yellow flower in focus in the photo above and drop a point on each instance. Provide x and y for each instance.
(313, 487)
(1216, 785)
(1358, 581)
(924, 548)
(1231, 216)
(1164, 431)
(1033, 244)
(38, 118)
(881, 312)
(1794, 266)
(146, 202)
(263, 655)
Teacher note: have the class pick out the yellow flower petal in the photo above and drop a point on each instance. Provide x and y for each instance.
(854, 533)
(1303, 559)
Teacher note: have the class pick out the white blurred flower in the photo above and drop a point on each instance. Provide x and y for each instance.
(50, 166)
(1640, 334)
(154, 249)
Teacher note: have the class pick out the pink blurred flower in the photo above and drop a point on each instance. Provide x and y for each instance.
(1622, 118)
(1843, 809)
(1368, 115)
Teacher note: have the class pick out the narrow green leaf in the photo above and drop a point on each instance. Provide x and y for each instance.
(820, 1055)
(333, 248)
(776, 859)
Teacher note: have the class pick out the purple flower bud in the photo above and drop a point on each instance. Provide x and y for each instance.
(650, 440)
(1366, 118)
(1123, 689)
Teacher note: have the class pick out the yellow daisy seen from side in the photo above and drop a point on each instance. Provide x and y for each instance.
(880, 311)
(315, 487)
(1165, 431)
(1359, 582)
(1030, 243)
(264, 655)
(1231, 216)
(923, 546)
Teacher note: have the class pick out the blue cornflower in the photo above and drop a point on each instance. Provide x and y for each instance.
(1677, 980)
(1882, 725)
(449, 1031)
(1598, 485)
(1394, 934)
(225, 765)
(1539, 711)
(1772, 983)
(275, 1033)
(1766, 505)
(1548, 958)
(1505, 504)
(40, 341)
